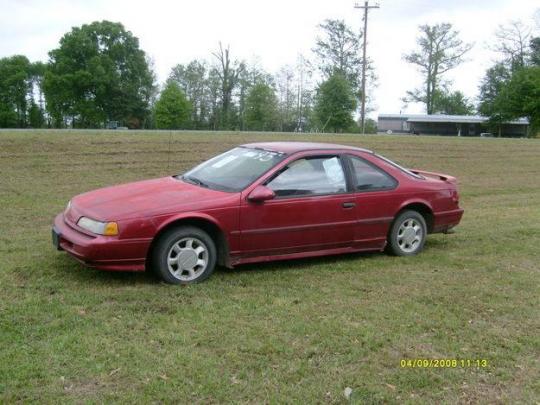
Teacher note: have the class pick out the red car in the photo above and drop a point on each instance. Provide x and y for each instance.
(255, 203)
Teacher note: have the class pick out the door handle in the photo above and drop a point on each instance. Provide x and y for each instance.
(348, 205)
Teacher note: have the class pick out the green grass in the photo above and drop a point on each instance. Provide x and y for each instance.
(296, 331)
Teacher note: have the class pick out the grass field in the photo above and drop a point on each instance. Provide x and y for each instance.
(297, 331)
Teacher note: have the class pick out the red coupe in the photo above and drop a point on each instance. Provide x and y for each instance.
(255, 203)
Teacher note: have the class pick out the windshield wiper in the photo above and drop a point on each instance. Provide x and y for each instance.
(196, 181)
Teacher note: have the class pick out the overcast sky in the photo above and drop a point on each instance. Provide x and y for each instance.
(272, 32)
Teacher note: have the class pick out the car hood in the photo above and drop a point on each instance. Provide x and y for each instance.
(146, 198)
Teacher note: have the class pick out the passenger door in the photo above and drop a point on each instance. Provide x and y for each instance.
(376, 202)
(312, 210)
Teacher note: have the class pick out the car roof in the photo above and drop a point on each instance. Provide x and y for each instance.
(294, 147)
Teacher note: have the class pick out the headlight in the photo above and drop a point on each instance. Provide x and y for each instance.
(101, 228)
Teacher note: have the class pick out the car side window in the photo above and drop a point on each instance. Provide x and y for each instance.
(367, 177)
(310, 176)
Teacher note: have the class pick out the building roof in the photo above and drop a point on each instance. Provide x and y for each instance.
(293, 147)
(466, 119)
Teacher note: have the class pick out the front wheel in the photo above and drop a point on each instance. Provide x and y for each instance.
(184, 255)
(408, 234)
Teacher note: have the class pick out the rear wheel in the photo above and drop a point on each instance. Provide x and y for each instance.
(184, 255)
(408, 234)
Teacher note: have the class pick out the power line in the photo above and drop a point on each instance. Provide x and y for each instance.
(366, 7)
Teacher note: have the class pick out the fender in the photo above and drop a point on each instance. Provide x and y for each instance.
(414, 200)
(188, 215)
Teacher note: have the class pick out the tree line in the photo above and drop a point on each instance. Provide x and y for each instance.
(99, 75)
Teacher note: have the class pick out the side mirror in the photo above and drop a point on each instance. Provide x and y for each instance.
(260, 194)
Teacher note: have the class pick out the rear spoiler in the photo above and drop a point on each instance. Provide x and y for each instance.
(438, 176)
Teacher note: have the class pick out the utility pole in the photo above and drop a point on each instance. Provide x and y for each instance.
(366, 7)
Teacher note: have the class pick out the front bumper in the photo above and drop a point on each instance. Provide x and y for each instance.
(101, 252)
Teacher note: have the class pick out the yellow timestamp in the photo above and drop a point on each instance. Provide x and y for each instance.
(443, 363)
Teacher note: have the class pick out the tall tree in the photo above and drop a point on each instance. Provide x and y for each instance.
(228, 72)
(338, 50)
(512, 42)
(172, 109)
(287, 98)
(36, 118)
(520, 97)
(439, 50)
(99, 74)
(509, 87)
(36, 112)
(295, 96)
(304, 94)
(261, 108)
(490, 87)
(249, 76)
(214, 98)
(15, 90)
(193, 80)
(335, 104)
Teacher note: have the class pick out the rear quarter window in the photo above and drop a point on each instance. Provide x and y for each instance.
(368, 177)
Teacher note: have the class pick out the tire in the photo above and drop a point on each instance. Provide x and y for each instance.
(408, 234)
(184, 255)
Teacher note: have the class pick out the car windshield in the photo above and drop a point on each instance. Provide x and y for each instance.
(234, 170)
(399, 167)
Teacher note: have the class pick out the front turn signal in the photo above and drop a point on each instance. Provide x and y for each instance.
(111, 229)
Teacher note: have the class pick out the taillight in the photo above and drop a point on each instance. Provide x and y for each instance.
(455, 196)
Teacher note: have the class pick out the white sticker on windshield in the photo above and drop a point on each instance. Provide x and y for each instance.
(265, 156)
(262, 156)
(224, 161)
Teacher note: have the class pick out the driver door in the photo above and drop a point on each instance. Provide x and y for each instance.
(312, 210)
